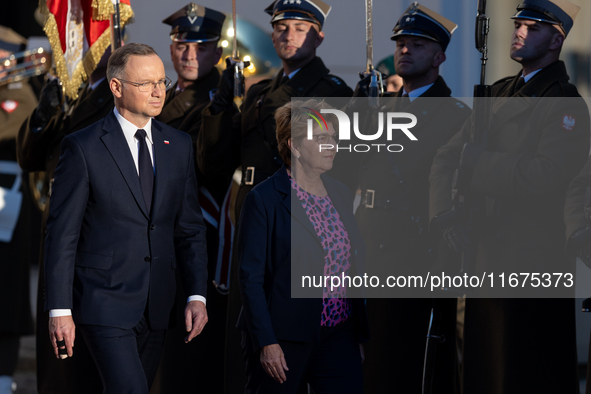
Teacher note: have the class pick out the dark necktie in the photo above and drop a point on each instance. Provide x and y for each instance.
(283, 80)
(145, 167)
(519, 84)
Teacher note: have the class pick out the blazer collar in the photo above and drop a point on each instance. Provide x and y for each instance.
(115, 142)
(282, 184)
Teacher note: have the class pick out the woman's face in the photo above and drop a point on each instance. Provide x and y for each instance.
(316, 155)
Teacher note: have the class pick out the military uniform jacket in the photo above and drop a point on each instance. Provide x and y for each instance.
(182, 111)
(38, 150)
(400, 181)
(536, 146)
(248, 139)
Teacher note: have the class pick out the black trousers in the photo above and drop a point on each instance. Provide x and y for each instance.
(331, 366)
(127, 359)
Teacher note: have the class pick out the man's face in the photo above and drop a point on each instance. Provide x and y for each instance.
(296, 40)
(141, 105)
(415, 56)
(192, 60)
(531, 40)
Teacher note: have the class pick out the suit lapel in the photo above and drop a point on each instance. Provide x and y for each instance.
(162, 160)
(291, 202)
(117, 145)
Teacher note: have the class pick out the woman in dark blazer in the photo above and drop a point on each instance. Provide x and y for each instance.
(301, 223)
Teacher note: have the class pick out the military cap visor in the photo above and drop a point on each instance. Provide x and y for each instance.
(195, 23)
(549, 12)
(11, 41)
(314, 11)
(419, 21)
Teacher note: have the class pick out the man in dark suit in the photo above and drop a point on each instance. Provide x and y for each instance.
(194, 52)
(537, 143)
(230, 138)
(123, 214)
(38, 149)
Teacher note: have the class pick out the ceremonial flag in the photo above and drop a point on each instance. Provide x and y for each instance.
(79, 34)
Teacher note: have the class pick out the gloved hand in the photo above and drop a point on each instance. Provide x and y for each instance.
(579, 245)
(362, 88)
(457, 238)
(224, 96)
(470, 155)
(49, 102)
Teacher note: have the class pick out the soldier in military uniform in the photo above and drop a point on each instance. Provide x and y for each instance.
(194, 51)
(38, 148)
(393, 215)
(535, 148)
(17, 100)
(247, 138)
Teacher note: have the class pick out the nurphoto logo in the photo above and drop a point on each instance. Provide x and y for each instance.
(392, 122)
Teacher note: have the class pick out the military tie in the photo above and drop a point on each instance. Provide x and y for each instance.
(519, 84)
(145, 168)
(283, 80)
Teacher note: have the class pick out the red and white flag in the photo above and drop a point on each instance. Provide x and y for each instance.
(79, 33)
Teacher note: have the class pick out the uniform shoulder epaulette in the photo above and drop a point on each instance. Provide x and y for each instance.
(334, 80)
(262, 84)
(457, 104)
(503, 80)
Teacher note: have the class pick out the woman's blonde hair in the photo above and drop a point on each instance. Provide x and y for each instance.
(292, 122)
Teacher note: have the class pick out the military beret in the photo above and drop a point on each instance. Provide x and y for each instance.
(195, 23)
(556, 12)
(420, 21)
(11, 41)
(386, 66)
(314, 11)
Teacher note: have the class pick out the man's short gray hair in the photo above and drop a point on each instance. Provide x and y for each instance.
(119, 58)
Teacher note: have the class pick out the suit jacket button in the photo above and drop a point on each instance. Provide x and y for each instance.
(147, 259)
(152, 227)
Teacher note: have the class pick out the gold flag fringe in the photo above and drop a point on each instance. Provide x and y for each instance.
(102, 10)
(91, 58)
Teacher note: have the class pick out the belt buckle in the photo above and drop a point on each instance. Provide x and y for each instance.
(251, 180)
(373, 196)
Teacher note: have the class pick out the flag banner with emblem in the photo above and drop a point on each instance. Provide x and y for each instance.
(79, 34)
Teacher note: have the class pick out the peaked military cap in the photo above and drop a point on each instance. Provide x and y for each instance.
(195, 23)
(11, 41)
(561, 13)
(314, 11)
(420, 21)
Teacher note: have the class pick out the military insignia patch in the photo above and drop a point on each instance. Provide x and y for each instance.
(9, 105)
(568, 122)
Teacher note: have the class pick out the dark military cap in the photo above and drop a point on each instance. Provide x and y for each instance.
(420, 21)
(314, 11)
(195, 23)
(561, 13)
(11, 41)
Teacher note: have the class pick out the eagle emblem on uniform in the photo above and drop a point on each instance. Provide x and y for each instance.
(568, 122)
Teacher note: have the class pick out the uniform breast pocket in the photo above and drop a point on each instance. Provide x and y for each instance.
(93, 260)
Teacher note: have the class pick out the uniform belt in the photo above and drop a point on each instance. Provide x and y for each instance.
(374, 199)
(254, 176)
